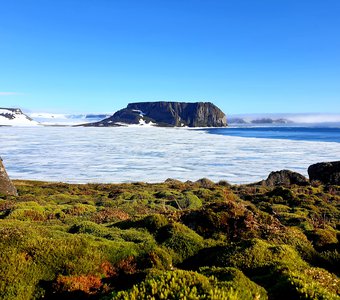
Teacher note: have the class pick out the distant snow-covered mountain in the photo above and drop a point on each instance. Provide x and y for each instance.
(66, 119)
(15, 117)
(282, 119)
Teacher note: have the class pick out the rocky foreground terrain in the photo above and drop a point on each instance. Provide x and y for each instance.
(275, 239)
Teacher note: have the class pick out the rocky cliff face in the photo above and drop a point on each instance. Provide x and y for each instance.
(6, 186)
(178, 114)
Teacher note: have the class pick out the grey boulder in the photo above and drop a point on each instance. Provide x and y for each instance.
(285, 178)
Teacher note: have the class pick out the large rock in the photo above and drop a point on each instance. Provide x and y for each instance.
(177, 114)
(285, 178)
(325, 172)
(6, 185)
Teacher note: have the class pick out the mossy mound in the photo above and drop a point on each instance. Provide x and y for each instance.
(179, 284)
(175, 240)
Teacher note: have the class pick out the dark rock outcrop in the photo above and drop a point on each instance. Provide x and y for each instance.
(174, 114)
(6, 185)
(285, 178)
(10, 113)
(325, 172)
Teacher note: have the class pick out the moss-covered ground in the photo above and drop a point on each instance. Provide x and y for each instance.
(171, 240)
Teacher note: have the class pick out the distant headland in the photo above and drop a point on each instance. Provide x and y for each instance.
(167, 114)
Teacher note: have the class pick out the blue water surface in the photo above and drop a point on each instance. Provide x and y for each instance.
(318, 134)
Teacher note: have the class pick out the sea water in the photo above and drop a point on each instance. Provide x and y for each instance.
(128, 154)
(298, 133)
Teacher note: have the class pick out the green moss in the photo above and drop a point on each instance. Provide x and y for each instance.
(258, 254)
(323, 239)
(28, 215)
(112, 233)
(19, 275)
(80, 209)
(183, 241)
(250, 256)
(329, 260)
(187, 201)
(234, 279)
(98, 238)
(152, 223)
(295, 237)
(312, 283)
(30, 256)
(280, 208)
(178, 285)
(281, 195)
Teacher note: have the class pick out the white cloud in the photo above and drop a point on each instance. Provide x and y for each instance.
(316, 118)
(9, 94)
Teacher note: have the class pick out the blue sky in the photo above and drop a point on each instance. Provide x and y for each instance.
(246, 56)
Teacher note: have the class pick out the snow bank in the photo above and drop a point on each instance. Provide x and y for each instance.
(15, 117)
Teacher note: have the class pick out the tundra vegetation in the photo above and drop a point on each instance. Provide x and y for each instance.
(171, 240)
